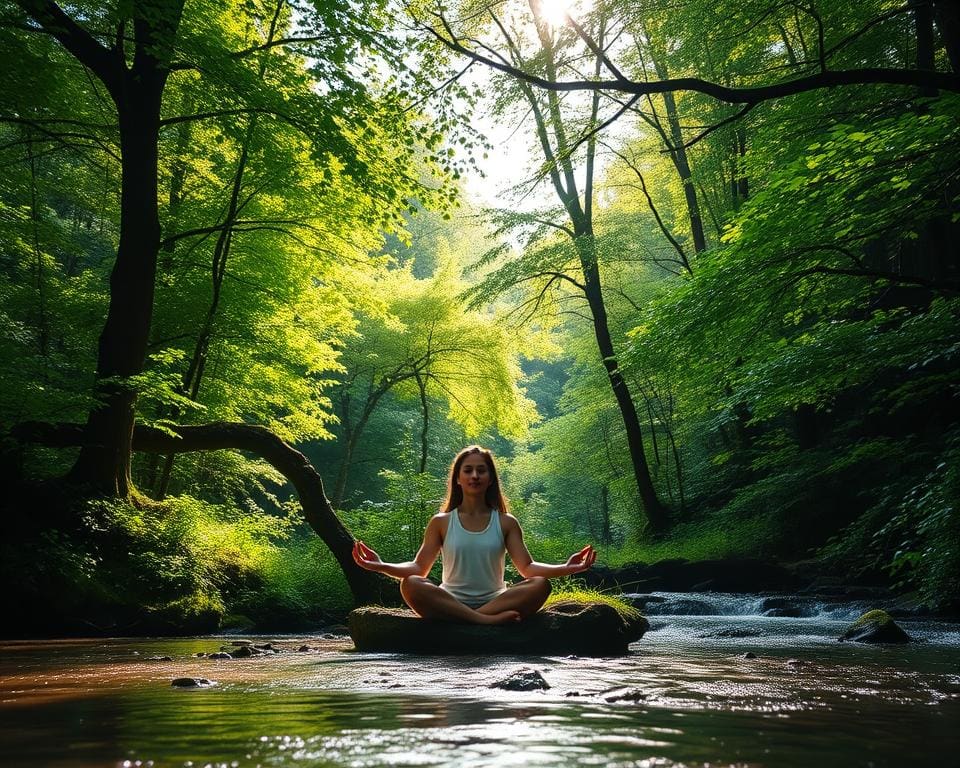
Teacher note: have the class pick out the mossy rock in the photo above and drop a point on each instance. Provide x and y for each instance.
(581, 629)
(875, 627)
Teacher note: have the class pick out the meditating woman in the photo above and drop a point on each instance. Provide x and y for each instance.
(472, 532)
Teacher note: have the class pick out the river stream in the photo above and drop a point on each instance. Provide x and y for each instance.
(686, 695)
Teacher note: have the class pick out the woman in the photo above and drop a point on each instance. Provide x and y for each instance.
(473, 530)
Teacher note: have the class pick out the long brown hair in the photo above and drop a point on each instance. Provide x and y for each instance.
(494, 497)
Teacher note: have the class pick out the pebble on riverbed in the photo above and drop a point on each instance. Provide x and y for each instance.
(191, 682)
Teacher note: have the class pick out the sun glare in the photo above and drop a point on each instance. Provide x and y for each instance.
(555, 12)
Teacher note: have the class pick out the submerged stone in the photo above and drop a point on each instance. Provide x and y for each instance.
(875, 627)
(584, 629)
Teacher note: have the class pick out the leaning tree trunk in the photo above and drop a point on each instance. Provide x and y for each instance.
(367, 587)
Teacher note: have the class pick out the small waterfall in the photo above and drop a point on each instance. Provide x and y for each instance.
(732, 604)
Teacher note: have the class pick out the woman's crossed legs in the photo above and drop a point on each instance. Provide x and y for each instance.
(519, 601)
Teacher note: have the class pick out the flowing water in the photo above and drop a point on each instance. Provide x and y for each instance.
(685, 696)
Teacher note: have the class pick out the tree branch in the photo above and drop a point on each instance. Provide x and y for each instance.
(732, 95)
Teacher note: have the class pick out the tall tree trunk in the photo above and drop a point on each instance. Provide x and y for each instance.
(656, 514)
(678, 154)
(947, 13)
(136, 91)
(425, 430)
(105, 462)
(926, 56)
(563, 178)
(352, 433)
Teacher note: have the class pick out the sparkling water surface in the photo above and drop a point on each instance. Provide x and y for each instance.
(686, 695)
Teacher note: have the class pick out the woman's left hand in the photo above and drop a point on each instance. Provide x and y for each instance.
(366, 557)
(580, 561)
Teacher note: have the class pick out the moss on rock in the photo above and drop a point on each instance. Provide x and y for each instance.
(875, 626)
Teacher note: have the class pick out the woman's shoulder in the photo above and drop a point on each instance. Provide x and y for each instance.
(441, 520)
(438, 526)
(507, 520)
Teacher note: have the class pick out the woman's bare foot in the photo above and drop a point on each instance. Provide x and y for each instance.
(504, 617)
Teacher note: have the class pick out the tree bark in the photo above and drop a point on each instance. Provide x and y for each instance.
(678, 154)
(947, 14)
(425, 429)
(655, 511)
(923, 24)
(104, 462)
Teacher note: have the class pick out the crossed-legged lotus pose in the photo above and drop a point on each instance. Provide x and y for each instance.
(472, 532)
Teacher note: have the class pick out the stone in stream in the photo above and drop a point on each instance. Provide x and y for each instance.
(220, 655)
(733, 632)
(633, 694)
(524, 680)
(191, 682)
(584, 629)
(875, 627)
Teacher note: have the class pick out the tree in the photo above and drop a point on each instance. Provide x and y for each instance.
(141, 59)
(134, 72)
(427, 346)
(555, 133)
(809, 75)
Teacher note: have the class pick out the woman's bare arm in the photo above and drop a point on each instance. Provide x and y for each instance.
(420, 565)
(525, 564)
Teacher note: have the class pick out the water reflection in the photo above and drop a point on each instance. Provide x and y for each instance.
(682, 698)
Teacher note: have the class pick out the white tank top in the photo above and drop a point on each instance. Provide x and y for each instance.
(473, 561)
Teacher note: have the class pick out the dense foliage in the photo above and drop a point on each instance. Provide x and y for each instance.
(763, 293)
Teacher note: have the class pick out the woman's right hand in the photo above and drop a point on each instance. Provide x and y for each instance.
(366, 557)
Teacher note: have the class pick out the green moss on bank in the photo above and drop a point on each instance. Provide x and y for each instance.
(578, 594)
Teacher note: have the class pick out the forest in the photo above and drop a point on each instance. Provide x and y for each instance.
(251, 303)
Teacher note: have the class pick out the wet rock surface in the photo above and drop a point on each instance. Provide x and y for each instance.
(585, 629)
(875, 627)
(524, 680)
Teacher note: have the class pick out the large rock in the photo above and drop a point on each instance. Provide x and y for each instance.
(582, 629)
(875, 627)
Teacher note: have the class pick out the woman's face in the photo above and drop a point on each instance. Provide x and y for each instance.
(474, 476)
